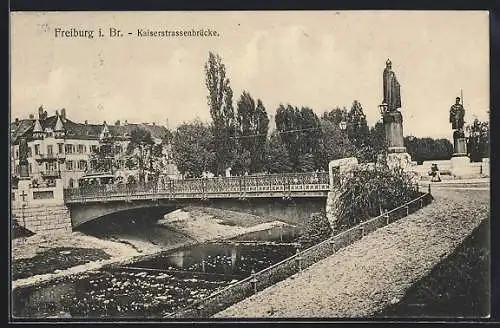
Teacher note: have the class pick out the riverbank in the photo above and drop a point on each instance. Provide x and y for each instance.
(178, 229)
(369, 275)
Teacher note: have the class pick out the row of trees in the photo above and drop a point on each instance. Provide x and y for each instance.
(240, 138)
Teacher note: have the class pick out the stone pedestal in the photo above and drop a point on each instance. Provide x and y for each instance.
(460, 166)
(393, 123)
(459, 147)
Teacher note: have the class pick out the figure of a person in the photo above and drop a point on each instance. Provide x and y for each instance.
(392, 95)
(457, 113)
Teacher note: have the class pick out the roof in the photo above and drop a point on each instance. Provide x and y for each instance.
(83, 131)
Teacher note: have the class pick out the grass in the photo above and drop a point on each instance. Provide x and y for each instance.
(459, 286)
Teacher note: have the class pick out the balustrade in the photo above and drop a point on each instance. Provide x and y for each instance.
(204, 187)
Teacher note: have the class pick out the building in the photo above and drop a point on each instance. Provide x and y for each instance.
(61, 148)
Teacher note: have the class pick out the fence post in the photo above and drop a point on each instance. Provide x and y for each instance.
(429, 189)
(332, 243)
(362, 230)
(299, 259)
(386, 218)
(407, 210)
(254, 281)
(421, 203)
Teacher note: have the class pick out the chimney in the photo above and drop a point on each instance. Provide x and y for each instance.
(86, 122)
(154, 123)
(117, 123)
(32, 116)
(104, 123)
(63, 113)
(16, 120)
(57, 113)
(40, 112)
(126, 123)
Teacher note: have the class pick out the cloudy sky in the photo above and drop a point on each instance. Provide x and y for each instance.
(316, 59)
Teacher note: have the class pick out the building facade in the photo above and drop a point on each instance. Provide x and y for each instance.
(61, 148)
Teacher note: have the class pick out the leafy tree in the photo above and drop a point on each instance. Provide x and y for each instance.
(426, 149)
(314, 230)
(334, 143)
(478, 145)
(366, 191)
(101, 158)
(140, 148)
(220, 101)
(359, 133)
(300, 132)
(192, 148)
(276, 158)
(335, 116)
(252, 128)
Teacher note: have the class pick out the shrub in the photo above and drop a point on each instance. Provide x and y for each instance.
(365, 192)
(315, 229)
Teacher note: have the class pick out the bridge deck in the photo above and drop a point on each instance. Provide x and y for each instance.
(275, 185)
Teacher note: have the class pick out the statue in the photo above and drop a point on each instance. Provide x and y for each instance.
(457, 113)
(23, 158)
(392, 95)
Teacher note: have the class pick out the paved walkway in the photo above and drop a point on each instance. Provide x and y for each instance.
(365, 277)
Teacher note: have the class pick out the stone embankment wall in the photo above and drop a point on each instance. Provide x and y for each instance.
(44, 219)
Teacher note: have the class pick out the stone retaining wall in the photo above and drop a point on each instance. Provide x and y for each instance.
(44, 219)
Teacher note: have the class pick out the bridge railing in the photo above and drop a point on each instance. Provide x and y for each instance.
(204, 187)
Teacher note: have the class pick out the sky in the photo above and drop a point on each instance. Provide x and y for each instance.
(320, 59)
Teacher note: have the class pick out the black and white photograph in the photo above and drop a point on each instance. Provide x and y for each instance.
(244, 165)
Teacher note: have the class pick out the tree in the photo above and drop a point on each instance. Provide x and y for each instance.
(334, 143)
(220, 101)
(140, 148)
(192, 148)
(335, 116)
(358, 132)
(102, 157)
(426, 149)
(300, 132)
(478, 145)
(252, 128)
(276, 159)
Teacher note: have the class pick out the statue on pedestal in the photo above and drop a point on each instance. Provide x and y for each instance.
(457, 113)
(393, 120)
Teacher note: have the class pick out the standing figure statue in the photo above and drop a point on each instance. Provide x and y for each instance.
(457, 113)
(392, 95)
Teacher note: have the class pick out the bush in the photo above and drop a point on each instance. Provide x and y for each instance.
(365, 192)
(314, 230)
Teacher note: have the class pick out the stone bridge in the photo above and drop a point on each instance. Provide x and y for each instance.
(291, 196)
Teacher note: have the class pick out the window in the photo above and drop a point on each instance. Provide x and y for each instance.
(50, 150)
(60, 148)
(118, 149)
(81, 149)
(82, 165)
(49, 134)
(51, 167)
(17, 169)
(69, 165)
(30, 168)
(29, 152)
(71, 183)
(68, 149)
(17, 154)
(37, 149)
(93, 148)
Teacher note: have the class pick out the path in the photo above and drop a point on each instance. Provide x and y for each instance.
(365, 277)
